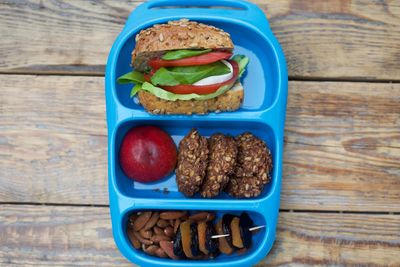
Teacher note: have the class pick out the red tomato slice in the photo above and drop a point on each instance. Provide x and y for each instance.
(208, 58)
(203, 89)
(147, 77)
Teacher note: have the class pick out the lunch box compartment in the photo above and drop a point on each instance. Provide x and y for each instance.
(177, 130)
(257, 240)
(260, 79)
(262, 113)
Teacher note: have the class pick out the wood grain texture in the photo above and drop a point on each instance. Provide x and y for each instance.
(342, 147)
(321, 39)
(61, 104)
(81, 236)
(57, 236)
(49, 167)
(53, 140)
(309, 239)
(341, 39)
(342, 151)
(349, 115)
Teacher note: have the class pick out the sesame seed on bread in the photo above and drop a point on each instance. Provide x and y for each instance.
(229, 101)
(175, 35)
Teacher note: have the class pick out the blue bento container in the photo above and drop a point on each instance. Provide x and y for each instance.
(262, 113)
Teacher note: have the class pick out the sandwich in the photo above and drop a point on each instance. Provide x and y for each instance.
(186, 67)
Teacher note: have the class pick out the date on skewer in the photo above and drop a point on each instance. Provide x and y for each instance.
(203, 239)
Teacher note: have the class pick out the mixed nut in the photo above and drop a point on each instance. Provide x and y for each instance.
(240, 166)
(179, 235)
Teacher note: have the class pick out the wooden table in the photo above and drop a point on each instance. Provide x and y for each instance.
(340, 201)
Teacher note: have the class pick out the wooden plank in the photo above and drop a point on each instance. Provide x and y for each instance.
(342, 145)
(331, 178)
(81, 236)
(57, 236)
(341, 151)
(321, 39)
(344, 39)
(59, 36)
(48, 167)
(62, 104)
(309, 239)
(41, 161)
(348, 115)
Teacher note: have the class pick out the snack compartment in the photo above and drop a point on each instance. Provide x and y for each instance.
(167, 187)
(261, 241)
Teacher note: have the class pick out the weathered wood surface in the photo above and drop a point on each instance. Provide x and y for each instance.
(53, 140)
(342, 150)
(336, 240)
(342, 139)
(81, 236)
(343, 147)
(57, 236)
(321, 39)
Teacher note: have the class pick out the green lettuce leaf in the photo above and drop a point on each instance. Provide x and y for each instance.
(163, 94)
(131, 77)
(242, 61)
(140, 84)
(187, 75)
(136, 89)
(179, 54)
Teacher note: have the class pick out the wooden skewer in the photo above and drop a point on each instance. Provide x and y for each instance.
(219, 236)
(251, 229)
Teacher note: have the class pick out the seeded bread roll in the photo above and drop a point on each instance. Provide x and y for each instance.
(178, 34)
(229, 101)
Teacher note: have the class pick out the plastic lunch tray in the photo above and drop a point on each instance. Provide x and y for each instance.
(262, 113)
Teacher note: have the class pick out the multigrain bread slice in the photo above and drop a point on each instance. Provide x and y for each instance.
(229, 101)
(179, 34)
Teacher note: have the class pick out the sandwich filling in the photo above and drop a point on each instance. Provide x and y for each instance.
(197, 74)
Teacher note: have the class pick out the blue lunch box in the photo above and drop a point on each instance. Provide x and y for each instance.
(263, 113)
